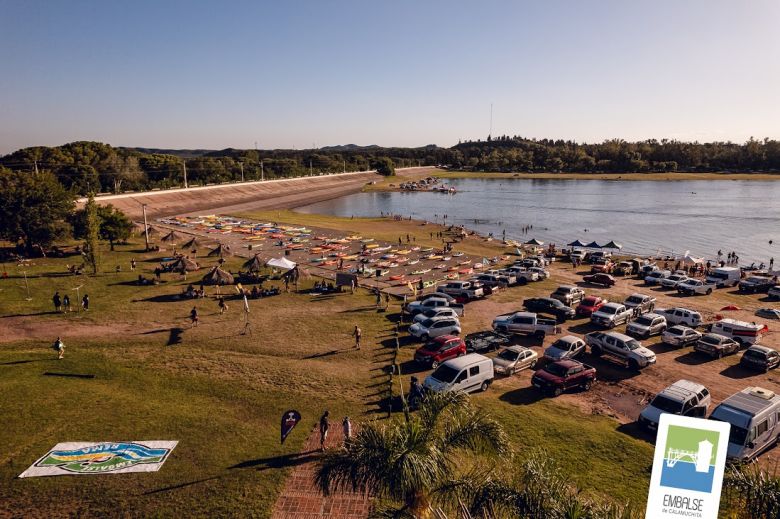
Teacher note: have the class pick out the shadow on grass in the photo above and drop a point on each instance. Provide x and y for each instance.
(278, 462)
(635, 430)
(68, 375)
(410, 367)
(181, 485)
(522, 396)
(14, 362)
(174, 334)
(328, 353)
(29, 315)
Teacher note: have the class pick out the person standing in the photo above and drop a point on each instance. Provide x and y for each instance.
(85, 302)
(387, 300)
(324, 427)
(357, 334)
(132, 264)
(59, 346)
(771, 263)
(222, 305)
(57, 302)
(346, 424)
(66, 303)
(194, 316)
(378, 297)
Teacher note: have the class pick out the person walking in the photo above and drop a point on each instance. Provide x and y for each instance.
(357, 334)
(771, 263)
(387, 300)
(222, 305)
(324, 427)
(132, 264)
(85, 302)
(59, 347)
(378, 298)
(66, 303)
(194, 316)
(346, 425)
(57, 302)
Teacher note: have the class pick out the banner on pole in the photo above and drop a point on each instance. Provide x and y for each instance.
(289, 420)
(79, 458)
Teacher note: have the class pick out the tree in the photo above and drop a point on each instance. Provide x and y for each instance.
(33, 208)
(415, 461)
(384, 166)
(114, 224)
(91, 251)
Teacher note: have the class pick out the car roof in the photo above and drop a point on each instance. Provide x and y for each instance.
(618, 335)
(749, 403)
(680, 327)
(444, 338)
(518, 349)
(612, 303)
(567, 287)
(651, 316)
(524, 314)
(759, 347)
(716, 336)
(681, 389)
(567, 363)
(569, 338)
(735, 322)
(466, 360)
(637, 294)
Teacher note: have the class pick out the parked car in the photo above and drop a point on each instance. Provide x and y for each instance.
(599, 279)
(646, 326)
(435, 327)
(522, 274)
(624, 268)
(647, 269)
(673, 280)
(680, 336)
(441, 311)
(567, 347)
(640, 303)
(611, 315)
(692, 286)
(490, 280)
(551, 306)
(741, 331)
(416, 307)
(526, 323)
(760, 358)
(465, 289)
(598, 255)
(724, 276)
(568, 294)
(768, 313)
(627, 350)
(486, 341)
(716, 345)
(752, 414)
(602, 265)
(589, 305)
(559, 376)
(774, 292)
(540, 272)
(440, 349)
(469, 373)
(690, 318)
(755, 284)
(514, 359)
(684, 398)
(654, 277)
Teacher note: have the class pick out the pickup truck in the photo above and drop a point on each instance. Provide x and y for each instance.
(643, 302)
(479, 342)
(693, 286)
(557, 377)
(527, 323)
(548, 305)
(611, 315)
(505, 278)
(416, 307)
(621, 347)
(465, 289)
(568, 294)
(523, 275)
(755, 284)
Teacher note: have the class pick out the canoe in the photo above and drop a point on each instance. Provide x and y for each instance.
(466, 262)
(426, 249)
(371, 245)
(446, 258)
(421, 272)
(414, 262)
(457, 254)
(453, 275)
(404, 252)
(452, 269)
(396, 278)
(466, 271)
(440, 266)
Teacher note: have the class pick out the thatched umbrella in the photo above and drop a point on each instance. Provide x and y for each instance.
(255, 264)
(172, 237)
(193, 243)
(217, 276)
(185, 263)
(220, 251)
(139, 228)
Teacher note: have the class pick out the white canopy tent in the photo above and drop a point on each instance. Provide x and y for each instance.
(281, 263)
(687, 259)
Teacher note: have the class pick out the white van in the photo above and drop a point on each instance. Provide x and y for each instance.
(753, 414)
(741, 331)
(469, 373)
(724, 276)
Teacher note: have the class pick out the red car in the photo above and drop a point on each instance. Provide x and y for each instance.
(589, 305)
(600, 279)
(436, 351)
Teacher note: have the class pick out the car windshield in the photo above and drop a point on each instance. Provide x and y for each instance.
(709, 339)
(508, 355)
(756, 280)
(719, 275)
(666, 404)
(445, 373)
(754, 354)
(634, 299)
(737, 435)
(434, 346)
(632, 345)
(644, 321)
(561, 345)
(428, 323)
(590, 301)
(608, 309)
(556, 369)
(674, 331)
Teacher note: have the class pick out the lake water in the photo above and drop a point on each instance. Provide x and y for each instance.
(647, 217)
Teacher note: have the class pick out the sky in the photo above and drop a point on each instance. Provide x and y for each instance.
(302, 74)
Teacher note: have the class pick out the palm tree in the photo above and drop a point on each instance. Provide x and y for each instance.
(417, 460)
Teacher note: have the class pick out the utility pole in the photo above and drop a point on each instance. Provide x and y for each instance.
(262, 171)
(146, 227)
(309, 167)
(184, 170)
(345, 166)
(241, 165)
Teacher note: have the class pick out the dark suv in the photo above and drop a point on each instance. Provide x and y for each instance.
(551, 306)
(436, 351)
(755, 284)
(760, 358)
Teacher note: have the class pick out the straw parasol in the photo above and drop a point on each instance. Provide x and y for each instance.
(255, 264)
(217, 276)
(193, 243)
(220, 251)
(172, 237)
(186, 263)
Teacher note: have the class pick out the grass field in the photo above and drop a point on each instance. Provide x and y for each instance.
(658, 176)
(221, 394)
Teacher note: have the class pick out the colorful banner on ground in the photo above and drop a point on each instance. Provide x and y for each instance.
(78, 458)
(289, 420)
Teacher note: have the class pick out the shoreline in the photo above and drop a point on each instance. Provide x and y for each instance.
(653, 176)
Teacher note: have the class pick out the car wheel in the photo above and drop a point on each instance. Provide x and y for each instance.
(633, 365)
(522, 281)
(558, 391)
(709, 291)
(484, 386)
(740, 342)
(435, 364)
(425, 337)
(596, 351)
(720, 355)
(532, 365)
(587, 385)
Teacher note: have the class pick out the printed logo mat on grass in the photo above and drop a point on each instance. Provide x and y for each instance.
(690, 458)
(78, 458)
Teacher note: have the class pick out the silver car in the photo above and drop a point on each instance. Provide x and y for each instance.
(513, 359)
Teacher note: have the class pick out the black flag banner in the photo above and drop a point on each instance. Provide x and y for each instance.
(289, 420)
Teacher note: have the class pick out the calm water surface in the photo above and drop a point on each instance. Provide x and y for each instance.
(647, 217)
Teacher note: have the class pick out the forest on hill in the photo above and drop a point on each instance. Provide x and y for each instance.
(92, 166)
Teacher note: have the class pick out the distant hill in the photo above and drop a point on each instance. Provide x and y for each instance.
(185, 154)
(349, 147)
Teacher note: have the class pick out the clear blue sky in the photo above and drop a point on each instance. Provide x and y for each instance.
(188, 74)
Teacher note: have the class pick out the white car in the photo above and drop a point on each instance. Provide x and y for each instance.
(542, 273)
(435, 312)
(646, 325)
(673, 280)
(690, 318)
(611, 315)
(693, 286)
(680, 336)
(434, 327)
(655, 277)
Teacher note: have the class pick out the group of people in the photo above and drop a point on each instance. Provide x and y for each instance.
(346, 425)
(323, 287)
(62, 303)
